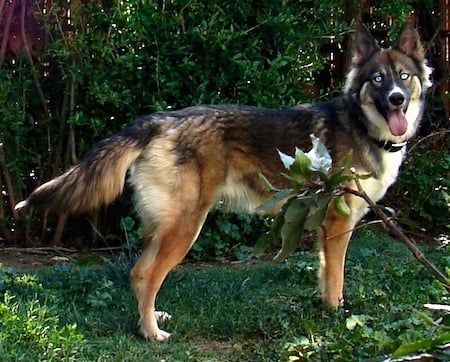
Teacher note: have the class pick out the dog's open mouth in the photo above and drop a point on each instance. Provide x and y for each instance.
(397, 122)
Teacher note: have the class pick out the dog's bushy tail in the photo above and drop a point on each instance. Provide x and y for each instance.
(98, 179)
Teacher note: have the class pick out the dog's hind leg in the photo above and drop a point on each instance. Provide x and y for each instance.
(174, 191)
(334, 237)
(163, 252)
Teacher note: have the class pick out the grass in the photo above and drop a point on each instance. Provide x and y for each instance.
(259, 312)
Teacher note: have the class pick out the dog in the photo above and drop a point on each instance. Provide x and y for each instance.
(181, 163)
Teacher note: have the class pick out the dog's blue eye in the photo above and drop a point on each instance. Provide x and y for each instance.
(378, 78)
(404, 76)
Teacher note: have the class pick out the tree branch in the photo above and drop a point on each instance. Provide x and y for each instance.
(6, 29)
(397, 232)
(27, 48)
(8, 183)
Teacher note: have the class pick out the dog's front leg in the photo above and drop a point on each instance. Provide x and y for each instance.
(334, 236)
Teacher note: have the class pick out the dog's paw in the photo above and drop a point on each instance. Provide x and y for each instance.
(149, 327)
(162, 316)
(162, 336)
(159, 335)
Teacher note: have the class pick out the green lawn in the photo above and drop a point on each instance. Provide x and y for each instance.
(257, 312)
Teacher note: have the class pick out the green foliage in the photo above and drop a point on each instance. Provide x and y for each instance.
(402, 8)
(376, 327)
(28, 326)
(227, 236)
(314, 184)
(437, 338)
(424, 184)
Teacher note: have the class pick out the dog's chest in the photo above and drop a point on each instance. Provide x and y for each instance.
(376, 187)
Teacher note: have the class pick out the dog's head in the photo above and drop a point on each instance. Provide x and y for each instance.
(390, 84)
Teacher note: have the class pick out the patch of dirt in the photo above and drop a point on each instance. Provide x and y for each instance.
(24, 259)
(203, 344)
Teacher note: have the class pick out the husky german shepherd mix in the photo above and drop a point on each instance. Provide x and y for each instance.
(181, 163)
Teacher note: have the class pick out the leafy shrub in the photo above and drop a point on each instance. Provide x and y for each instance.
(30, 327)
(424, 185)
(228, 235)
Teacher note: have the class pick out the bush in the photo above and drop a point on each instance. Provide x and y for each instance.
(30, 326)
(424, 186)
(228, 235)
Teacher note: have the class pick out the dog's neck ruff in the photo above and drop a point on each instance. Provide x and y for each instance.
(390, 146)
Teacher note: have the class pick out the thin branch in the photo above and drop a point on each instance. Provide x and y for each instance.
(427, 137)
(363, 225)
(44, 250)
(2, 6)
(5, 231)
(40, 250)
(6, 29)
(34, 71)
(8, 184)
(397, 232)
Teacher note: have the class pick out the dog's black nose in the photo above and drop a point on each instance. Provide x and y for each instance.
(397, 99)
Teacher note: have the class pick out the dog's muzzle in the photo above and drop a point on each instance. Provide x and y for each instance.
(396, 118)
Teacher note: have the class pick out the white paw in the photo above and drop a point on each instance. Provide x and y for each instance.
(161, 336)
(158, 335)
(162, 316)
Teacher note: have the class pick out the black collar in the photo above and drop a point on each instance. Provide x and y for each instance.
(390, 146)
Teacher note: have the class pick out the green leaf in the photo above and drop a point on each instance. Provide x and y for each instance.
(317, 211)
(341, 206)
(356, 320)
(263, 242)
(423, 344)
(301, 164)
(273, 236)
(337, 178)
(278, 222)
(274, 200)
(446, 197)
(297, 181)
(347, 160)
(268, 185)
(293, 227)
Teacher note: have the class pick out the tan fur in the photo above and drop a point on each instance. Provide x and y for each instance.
(181, 163)
(334, 237)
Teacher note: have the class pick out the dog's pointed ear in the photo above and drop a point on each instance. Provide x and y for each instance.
(409, 43)
(363, 46)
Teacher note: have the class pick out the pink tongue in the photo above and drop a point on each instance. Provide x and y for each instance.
(397, 122)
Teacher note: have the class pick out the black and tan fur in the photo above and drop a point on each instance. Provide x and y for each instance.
(181, 163)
